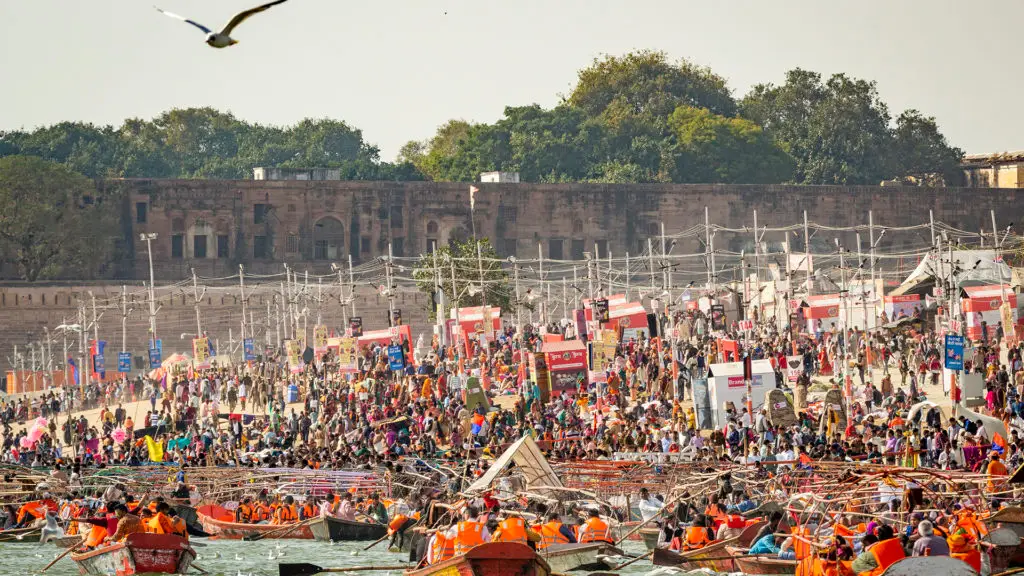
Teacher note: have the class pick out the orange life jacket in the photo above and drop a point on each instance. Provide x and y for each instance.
(696, 537)
(886, 553)
(511, 530)
(285, 515)
(467, 535)
(442, 548)
(396, 523)
(96, 536)
(160, 524)
(245, 513)
(179, 527)
(595, 530)
(551, 534)
(972, 557)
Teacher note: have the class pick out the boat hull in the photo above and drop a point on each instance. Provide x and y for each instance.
(237, 531)
(330, 529)
(138, 554)
(562, 558)
(760, 565)
(491, 559)
(710, 557)
(650, 536)
(930, 566)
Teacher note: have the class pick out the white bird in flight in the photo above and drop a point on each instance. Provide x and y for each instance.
(223, 38)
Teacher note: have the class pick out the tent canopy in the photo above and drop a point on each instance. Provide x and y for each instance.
(971, 268)
(527, 457)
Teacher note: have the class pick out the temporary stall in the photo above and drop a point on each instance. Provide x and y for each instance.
(824, 309)
(982, 304)
(906, 305)
(726, 384)
(387, 337)
(566, 365)
(630, 316)
(470, 324)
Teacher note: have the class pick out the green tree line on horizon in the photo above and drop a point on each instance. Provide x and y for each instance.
(636, 118)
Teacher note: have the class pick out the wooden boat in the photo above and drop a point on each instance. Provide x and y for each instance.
(491, 559)
(23, 535)
(930, 565)
(562, 558)
(711, 557)
(214, 521)
(1004, 544)
(760, 564)
(66, 542)
(331, 529)
(650, 536)
(191, 518)
(138, 554)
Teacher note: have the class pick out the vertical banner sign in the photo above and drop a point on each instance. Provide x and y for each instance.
(717, 317)
(201, 353)
(1006, 315)
(155, 354)
(248, 350)
(395, 358)
(293, 350)
(320, 339)
(356, 326)
(347, 355)
(99, 360)
(954, 352)
(601, 313)
(124, 362)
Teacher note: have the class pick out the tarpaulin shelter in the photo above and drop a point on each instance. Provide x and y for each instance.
(539, 476)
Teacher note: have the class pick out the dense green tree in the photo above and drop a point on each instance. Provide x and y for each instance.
(921, 150)
(54, 222)
(204, 143)
(714, 148)
(647, 84)
(839, 131)
(434, 271)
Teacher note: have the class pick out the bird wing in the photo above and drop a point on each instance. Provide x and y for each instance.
(241, 16)
(183, 19)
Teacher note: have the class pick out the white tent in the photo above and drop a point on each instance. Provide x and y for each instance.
(972, 267)
(527, 457)
(726, 384)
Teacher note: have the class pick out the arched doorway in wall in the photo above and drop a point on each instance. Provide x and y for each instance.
(328, 239)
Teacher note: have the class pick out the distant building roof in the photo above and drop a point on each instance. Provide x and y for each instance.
(994, 158)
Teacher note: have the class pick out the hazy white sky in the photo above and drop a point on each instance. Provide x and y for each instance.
(398, 68)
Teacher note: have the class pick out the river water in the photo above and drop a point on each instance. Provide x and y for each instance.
(236, 558)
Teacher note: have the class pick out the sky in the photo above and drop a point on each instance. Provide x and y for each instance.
(397, 69)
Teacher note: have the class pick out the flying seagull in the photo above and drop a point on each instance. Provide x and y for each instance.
(223, 38)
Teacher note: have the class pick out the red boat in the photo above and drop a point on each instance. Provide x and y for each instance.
(218, 521)
(491, 559)
(138, 554)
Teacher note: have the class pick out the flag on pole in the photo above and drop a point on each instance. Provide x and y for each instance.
(472, 197)
(74, 370)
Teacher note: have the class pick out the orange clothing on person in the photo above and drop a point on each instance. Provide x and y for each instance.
(442, 548)
(996, 468)
(96, 536)
(886, 553)
(696, 537)
(511, 530)
(159, 524)
(551, 534)
(285, 514)
(964, 549)
(468, 534)
(595, 530)
(396, 523)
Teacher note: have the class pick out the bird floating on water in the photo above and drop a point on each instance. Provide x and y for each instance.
(223, 38)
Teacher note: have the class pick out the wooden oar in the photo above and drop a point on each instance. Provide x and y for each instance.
(197, 567)
(311, 569)
(278, 532)
(377, 541)
(57, 559)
